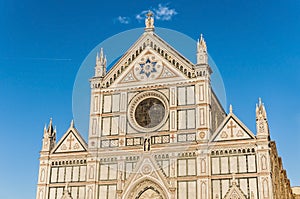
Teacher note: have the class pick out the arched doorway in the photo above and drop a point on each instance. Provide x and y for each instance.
(147, 189)
(150, 193)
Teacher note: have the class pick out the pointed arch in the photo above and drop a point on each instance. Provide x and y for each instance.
(265, 188)
(41, 194)
(90, 193)
(203, 190)
(263, 162)
(146, 186)
(42, 177)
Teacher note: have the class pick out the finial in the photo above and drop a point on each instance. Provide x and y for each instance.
(261, 110)
(101, 54)
(100, 68)
(72, 123)
(97, 57)
(202, 43)
(230, 108)
(259, 101)
(149, 21)
(50, 127)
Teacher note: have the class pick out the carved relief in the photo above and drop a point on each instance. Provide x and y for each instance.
(202, 135)
(240, 133)
(167, 73)
(224, 134)
(129, 78)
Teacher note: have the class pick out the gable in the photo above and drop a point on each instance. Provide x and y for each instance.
(162, 51)
(149, 67)
(234, 192)
(232, 129)
(146, 169)
(70, 142)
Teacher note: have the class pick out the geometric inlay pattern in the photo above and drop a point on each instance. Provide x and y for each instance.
(148, 68)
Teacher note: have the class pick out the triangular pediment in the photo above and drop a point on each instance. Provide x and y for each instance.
(234, 193)
(149, 67)
(131, 67)
(146, 169)
(232, 129)
(70, 142)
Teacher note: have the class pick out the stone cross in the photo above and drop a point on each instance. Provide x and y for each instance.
(70, 140)
(231, 127)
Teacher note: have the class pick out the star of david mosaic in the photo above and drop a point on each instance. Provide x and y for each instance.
(148, 67)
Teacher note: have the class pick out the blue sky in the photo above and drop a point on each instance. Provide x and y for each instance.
(43, 43)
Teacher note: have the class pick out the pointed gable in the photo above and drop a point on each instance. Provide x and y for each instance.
(234, 192)
(148, 67)
(232, 129)
(147, 169)
(71, 142)
(147, 46)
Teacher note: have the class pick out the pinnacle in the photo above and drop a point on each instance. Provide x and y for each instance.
(72, 123)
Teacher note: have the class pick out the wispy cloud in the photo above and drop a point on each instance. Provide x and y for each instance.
(162, 12)
(141, 15)
(123, 20)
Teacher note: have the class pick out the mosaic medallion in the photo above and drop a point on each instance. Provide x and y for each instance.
(148, 68)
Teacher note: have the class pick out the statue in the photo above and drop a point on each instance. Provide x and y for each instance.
(149, 21)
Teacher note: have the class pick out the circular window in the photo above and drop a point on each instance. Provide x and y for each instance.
(148, 111)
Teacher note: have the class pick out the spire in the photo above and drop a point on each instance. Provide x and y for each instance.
(50, 129)
(261, 110)
(45, 129)
(201, 44)
(149, 22)
(100, 69)
(262, 126)
(202, 55)
(49, 137)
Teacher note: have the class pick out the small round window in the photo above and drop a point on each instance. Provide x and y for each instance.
(149, 113)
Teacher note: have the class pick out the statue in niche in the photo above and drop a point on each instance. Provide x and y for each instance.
(147, 144)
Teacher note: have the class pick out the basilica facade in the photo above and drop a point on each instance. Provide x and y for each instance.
(157, 130)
